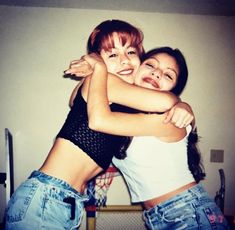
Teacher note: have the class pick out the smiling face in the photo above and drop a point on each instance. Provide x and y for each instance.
(159, 72)
(122, 59)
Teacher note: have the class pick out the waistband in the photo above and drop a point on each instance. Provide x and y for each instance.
(195, 192)
(158, 200)
(53, 181)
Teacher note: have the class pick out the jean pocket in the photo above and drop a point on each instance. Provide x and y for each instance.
(59, 213)
(20, 201)
(215, 216)
(175, 216)
(179, 212)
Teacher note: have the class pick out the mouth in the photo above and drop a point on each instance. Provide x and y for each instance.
(151, 82)
(125, 72)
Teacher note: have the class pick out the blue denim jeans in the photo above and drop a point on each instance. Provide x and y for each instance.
(192, 209)
(44, 202)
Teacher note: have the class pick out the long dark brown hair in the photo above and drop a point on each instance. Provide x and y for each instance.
(193, 153)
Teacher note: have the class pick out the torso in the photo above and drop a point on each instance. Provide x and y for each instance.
(153, 168)
(73, 165)
(148, 204)
(80, 153)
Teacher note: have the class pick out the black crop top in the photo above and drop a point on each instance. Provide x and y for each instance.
(99, 146)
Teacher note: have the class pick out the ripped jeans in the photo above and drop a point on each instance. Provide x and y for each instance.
(44, 202)
(191, 209)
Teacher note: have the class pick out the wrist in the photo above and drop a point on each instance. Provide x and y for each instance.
(100, 65)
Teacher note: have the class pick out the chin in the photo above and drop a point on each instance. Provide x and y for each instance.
(129, 80)
(152, 87)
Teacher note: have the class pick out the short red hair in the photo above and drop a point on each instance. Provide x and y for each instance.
(102, 36)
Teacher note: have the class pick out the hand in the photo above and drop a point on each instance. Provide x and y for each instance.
(94, 60)
(79, 68)
(181, 115)
(85, 66)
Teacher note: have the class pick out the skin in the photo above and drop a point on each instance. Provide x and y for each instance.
(126, 58)
(163, 71)
(66, 160)
(159, 72)
(121, 59)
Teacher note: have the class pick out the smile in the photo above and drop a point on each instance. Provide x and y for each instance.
(151, 82)
(125, 72)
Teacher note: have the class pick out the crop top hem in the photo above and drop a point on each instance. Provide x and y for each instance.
(83, 149)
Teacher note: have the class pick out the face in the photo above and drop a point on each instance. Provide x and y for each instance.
(122, 60)
(160, 72)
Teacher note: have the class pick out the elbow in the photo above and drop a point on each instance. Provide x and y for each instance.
(168, 106)
(95, 123)
(172, 100)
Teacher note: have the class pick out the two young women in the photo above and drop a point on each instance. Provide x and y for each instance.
(162, 167)
(52, 197)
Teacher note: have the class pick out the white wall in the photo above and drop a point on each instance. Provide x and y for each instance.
(36, 45)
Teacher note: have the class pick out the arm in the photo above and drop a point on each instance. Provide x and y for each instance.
(74, 93)
(81, 69)
(123, 93)
(139, 98)
(102, 119)
(181, 115)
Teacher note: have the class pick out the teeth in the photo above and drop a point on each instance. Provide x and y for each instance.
(125, 72)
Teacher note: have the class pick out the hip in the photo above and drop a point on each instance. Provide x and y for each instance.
(191, 209)
(44, 201)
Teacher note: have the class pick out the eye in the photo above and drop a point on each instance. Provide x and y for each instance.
(112, 55)
(169, 77)
(149, 65)
(132, 52)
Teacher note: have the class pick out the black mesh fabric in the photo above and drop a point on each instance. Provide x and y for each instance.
(99, 146)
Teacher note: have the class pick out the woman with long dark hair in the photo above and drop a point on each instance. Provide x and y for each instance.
(162, 167)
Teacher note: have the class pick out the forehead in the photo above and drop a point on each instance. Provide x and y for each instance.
(116, 40)
(165, 60)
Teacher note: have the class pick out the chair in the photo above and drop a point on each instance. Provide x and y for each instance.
(220, 194)
(7, 178)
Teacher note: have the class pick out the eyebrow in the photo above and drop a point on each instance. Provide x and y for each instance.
(159, 62)
(128, 47)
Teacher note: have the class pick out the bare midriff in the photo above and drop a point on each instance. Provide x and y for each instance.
(69, 163)
(155, 201)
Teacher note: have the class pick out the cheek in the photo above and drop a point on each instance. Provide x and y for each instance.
(137, 78)
(167, 86)
(136, 64)
(111, 67)
(137, 61)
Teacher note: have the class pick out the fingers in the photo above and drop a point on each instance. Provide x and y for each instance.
(72, 66)
(182, 121)
(179, 117)
(79, 68)
(84, 66)
(169, 116)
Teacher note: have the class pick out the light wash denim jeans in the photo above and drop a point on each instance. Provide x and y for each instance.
(44, 202)
(192, 209)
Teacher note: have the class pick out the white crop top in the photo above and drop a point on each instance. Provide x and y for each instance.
(153, 167)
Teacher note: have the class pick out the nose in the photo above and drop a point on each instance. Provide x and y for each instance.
(157, 73)
(124, 59)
